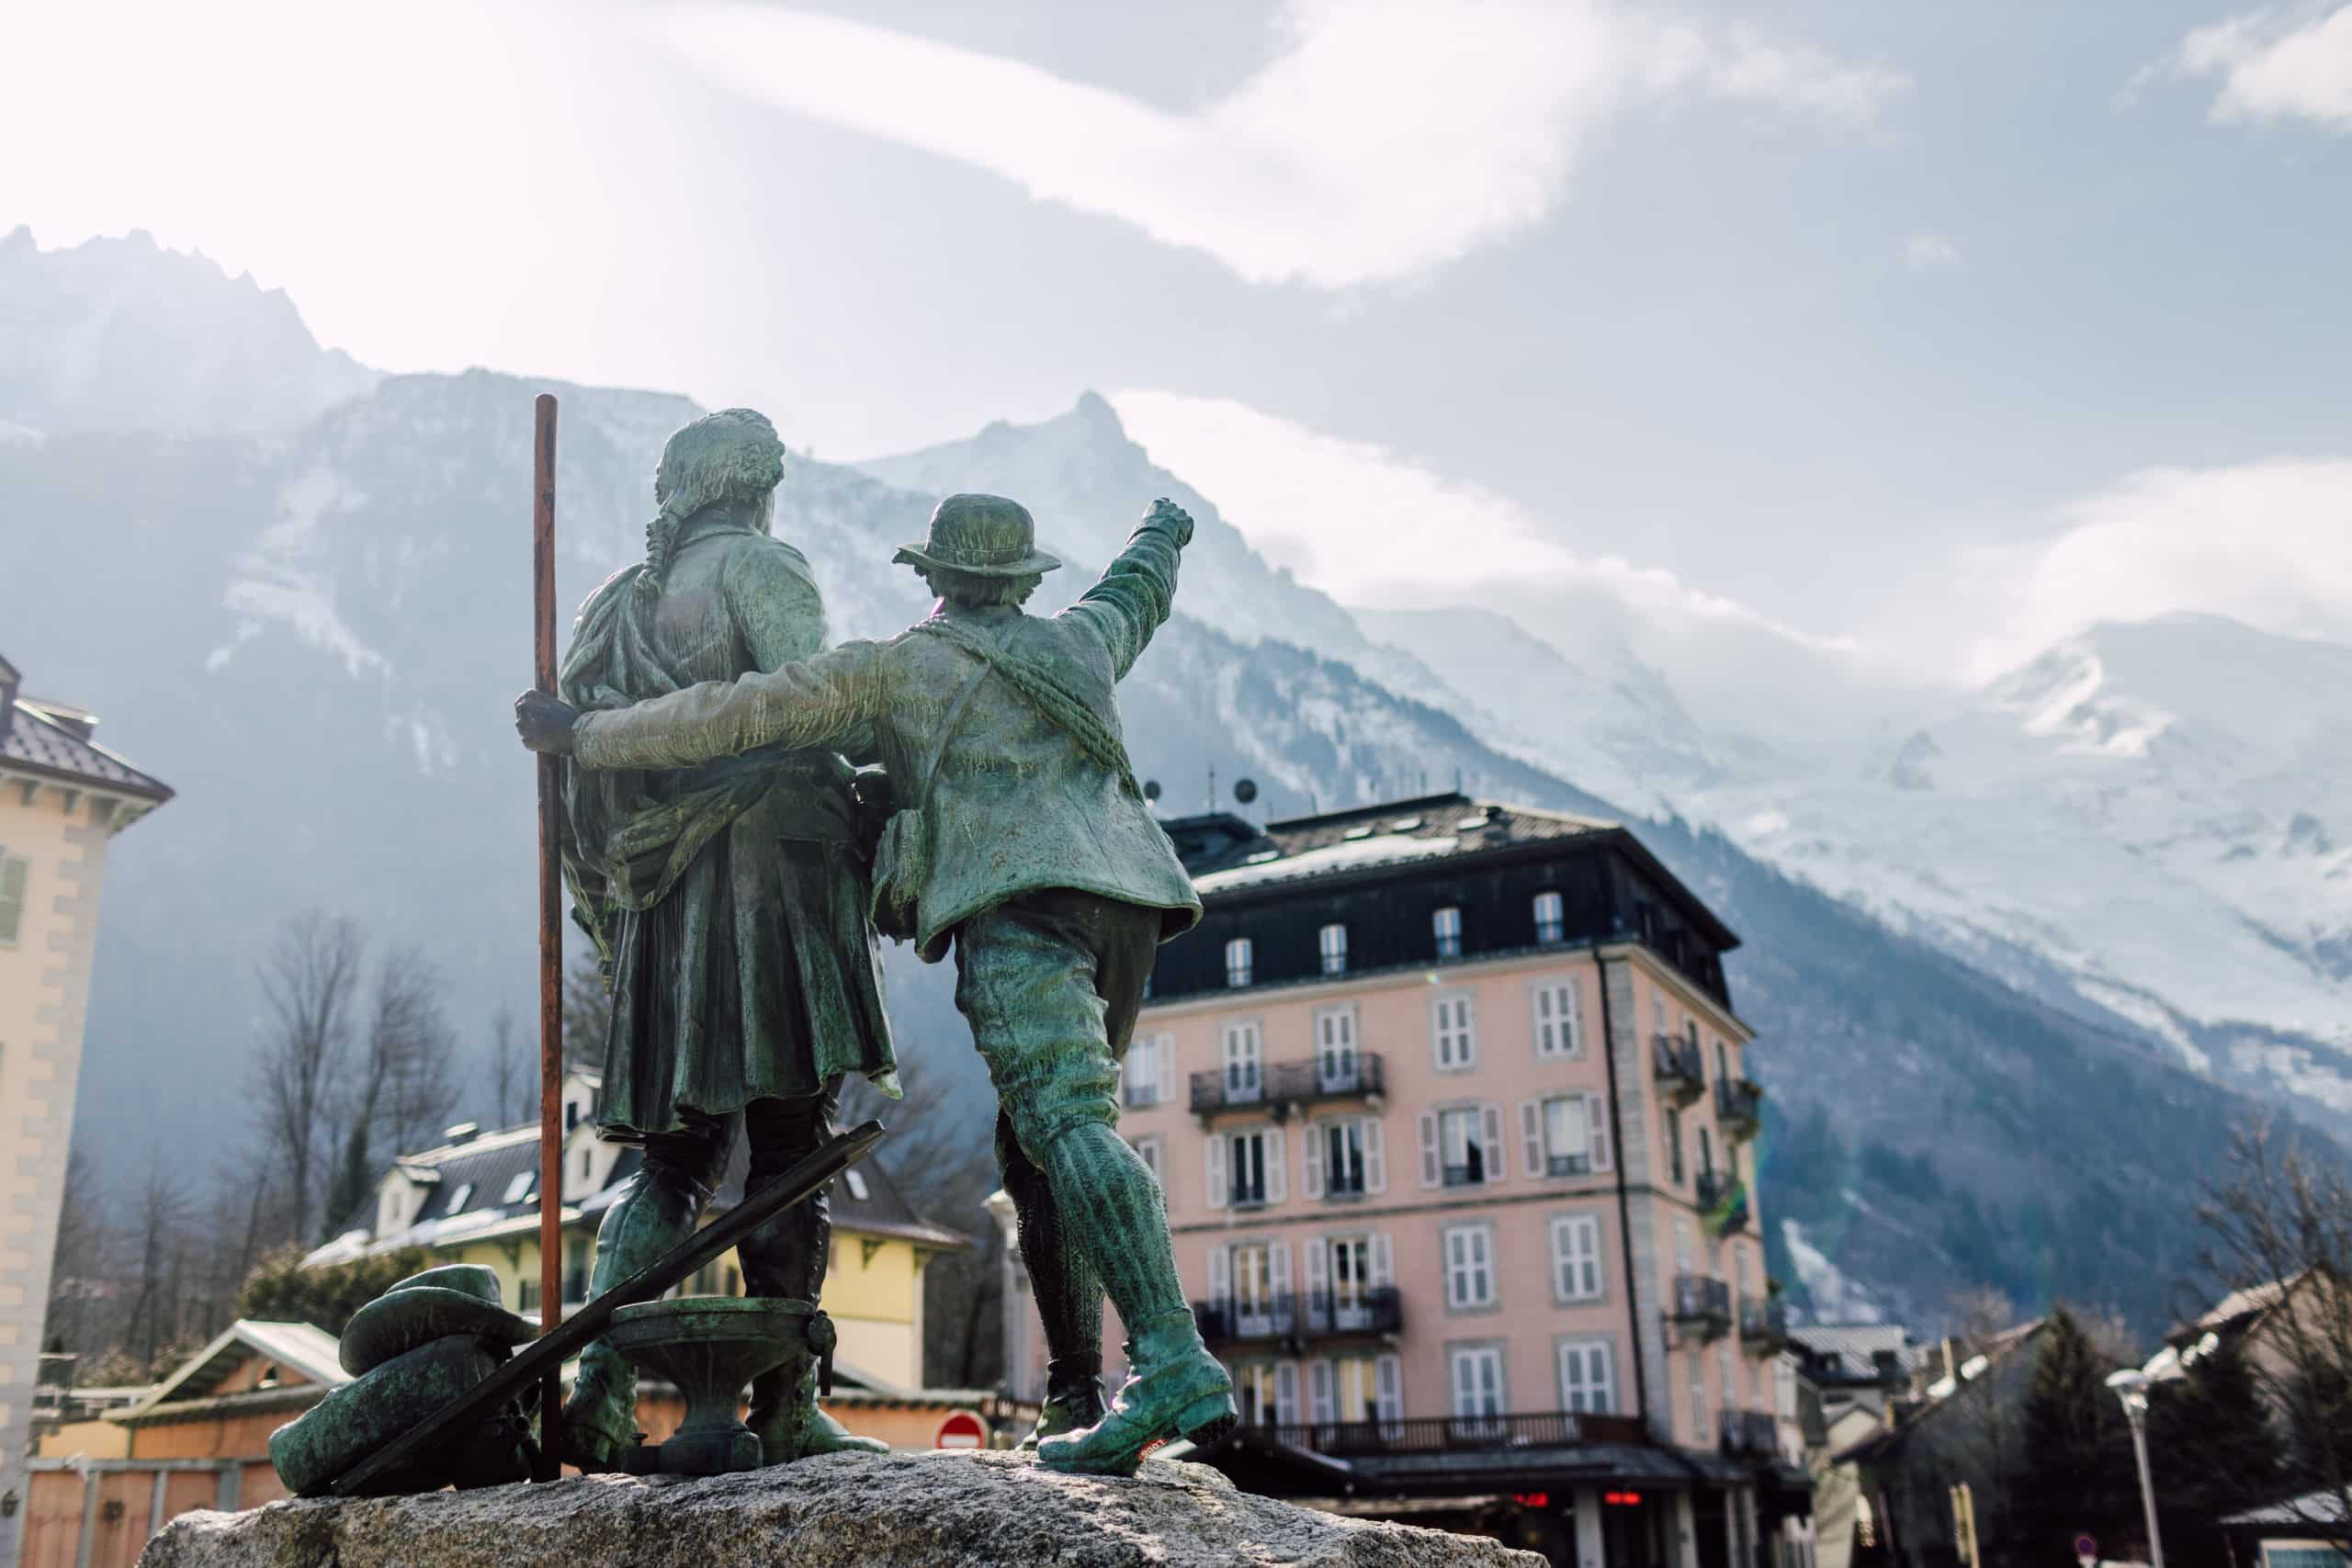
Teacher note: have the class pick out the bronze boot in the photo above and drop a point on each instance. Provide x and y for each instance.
(600, 1418)
(1177, 1389)
(1073, 1398)
(784, 1402)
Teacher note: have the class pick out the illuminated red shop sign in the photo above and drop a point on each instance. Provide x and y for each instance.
(1622, 1499)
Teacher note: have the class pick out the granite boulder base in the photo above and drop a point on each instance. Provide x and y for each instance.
(902, 1510)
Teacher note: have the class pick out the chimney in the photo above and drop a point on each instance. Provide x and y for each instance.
(463, 1132)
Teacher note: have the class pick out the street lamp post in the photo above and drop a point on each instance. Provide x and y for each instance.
(2131, 1386)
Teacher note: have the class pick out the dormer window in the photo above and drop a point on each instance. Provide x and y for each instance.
(1446, 926)
(1332, 944)
(1551, 919)
(1240, 966)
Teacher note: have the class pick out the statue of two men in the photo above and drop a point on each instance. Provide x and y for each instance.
(1022, 841)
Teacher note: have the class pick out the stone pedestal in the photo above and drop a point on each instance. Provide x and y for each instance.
(906, 1510)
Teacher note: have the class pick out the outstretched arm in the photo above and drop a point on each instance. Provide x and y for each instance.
(819, 701)
(1137, 592)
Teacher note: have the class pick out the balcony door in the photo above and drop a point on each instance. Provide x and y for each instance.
(1245, 1067)
(1336, 1069)
(1477, 1375)
(1261, 1282)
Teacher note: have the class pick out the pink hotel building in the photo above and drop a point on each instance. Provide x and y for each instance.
(1451, 1109)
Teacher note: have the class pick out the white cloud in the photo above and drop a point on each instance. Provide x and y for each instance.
(1386, 138)
(2268, 542)
(1928, 252)
(2279, 63)
(1370, 526)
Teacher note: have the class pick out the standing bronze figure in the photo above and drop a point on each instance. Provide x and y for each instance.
(728, 901)
(1024, 840)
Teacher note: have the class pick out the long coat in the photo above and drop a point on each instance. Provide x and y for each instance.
(730, 899)
(1017, 806)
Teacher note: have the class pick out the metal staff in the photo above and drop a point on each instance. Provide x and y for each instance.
(550, 938)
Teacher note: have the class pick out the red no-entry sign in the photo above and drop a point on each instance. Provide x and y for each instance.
(961, 1431)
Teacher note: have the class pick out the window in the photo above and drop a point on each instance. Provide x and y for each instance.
(1723, 1059)
(1682, 1244)
(1470, 1266)
(1453, 1033)
(1244, 1063)
(1150, 1076)
(1238, 962)
(858, 1191)
(460, 1197)
(1342, 1150)
(1565, 1135)
(1148, 1151)
(1331, 945)
(1576, 1258)
(1468, 1145)
(15, 870)
(1551, 919)
(1699, 1433)
(1246, 1158)
(1706, 1152)
(1243, 1169)
(1587, 1377)
(1477, 1376)
(1342, 1274)
(519, 1187)
(1337, 1070)
(1722, 1369)
(1559, 1018)
(1674, 1145)
(1267, 1392)
(1446, 926)
(1260, 1288)
(570, 1114)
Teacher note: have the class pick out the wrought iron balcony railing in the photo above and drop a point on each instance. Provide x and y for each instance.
(1752, 1432)
(1763, 1324)
(1311, 1314)
(1439, 1433)
(1739, 1107)
(1715, 1191)
(1680, 1071)
(1280, 1085)
(1701, 1302)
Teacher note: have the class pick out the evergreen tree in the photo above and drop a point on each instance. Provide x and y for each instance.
(2078, 1475)
(2212, 1451)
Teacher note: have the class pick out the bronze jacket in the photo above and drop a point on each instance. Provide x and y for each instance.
(1017, 806)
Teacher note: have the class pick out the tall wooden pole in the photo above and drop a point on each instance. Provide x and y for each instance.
(543, 676)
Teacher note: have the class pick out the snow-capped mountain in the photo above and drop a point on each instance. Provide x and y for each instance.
(122, 334)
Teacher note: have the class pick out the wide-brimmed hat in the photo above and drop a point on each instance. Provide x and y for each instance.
(980, 536)
(456, 1298)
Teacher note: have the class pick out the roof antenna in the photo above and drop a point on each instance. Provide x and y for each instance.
(1212, 787)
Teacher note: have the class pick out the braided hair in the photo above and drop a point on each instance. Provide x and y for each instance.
(733, 455)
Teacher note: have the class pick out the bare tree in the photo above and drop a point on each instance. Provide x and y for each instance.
(2279, 1224)
(403, 1086)
(509, 1070)
(80, 1266)
(309, 979)
(153, 1322)
(587, 1012)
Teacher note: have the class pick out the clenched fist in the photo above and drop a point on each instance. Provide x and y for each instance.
(544, 722)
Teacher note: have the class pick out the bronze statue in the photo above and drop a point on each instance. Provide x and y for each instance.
(727, 902)
(1024, 839)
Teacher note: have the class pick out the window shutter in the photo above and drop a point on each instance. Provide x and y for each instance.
(1166, 1054)
(1563, 1265)
(1431, 1174)
(1375, 1157)
(1318, 1270)
(1319, 1393)
(1596, 1131)
(1531, 1134)
(1286, 1393)
(1220, 1274)
(1275, 1179)
(1213, 1165)
(1491, 1118)
(1390, 1380)
(1574, 1022)
(1546, 1036)
(1278, 1278)
(1383, 1259)
(1311, 1163)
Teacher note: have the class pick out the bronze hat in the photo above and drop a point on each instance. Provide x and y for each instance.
(983, 536)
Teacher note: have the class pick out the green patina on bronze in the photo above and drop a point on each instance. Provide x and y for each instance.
(709, 1347)
(1038, 858)
(728, 903)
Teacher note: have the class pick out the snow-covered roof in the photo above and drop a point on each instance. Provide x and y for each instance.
(309, 1351)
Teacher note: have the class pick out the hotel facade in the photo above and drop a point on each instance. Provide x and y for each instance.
(1453, 1114)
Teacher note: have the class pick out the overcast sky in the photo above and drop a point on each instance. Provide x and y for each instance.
(1933, 329)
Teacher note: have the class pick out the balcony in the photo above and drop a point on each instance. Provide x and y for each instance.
(1464, 1175)
(1702, 1304)
(1315, 1314)
(1680, 1071)
(1753, 1433)
(1714, 1190)
(1445, 1433)
(1567, 1165)
(1282, 1085)
(1763, 1325)
(1228, 1321)
(1739, 1107)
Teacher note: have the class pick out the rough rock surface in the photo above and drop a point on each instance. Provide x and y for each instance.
(905, 1510)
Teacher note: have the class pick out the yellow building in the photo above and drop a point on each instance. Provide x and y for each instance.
(475, 1200)
(63, 799)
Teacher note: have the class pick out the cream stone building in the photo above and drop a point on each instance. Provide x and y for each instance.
(1454, 1116)
(63, 799)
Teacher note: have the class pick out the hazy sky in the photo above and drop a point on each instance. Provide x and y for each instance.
(1937, 329)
